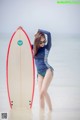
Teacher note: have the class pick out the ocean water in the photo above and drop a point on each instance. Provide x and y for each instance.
(64, 89)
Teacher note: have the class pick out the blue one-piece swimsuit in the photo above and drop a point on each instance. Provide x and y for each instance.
(42, 55)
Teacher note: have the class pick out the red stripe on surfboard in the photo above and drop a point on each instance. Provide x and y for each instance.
(7, 70)
(7, 67)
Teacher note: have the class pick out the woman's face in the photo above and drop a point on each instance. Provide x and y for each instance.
(42, 42)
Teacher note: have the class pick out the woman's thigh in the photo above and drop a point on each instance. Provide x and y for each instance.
(40, 82)
(47, 80)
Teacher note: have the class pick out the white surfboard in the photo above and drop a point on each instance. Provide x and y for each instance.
(20, 71)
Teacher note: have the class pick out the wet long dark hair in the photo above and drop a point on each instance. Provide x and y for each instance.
(37, 39)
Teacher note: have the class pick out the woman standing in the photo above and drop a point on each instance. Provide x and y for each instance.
(41, 50)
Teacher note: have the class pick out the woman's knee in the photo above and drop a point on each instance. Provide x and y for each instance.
(42, 93)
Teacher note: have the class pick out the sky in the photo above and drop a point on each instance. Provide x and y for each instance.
(35, 14)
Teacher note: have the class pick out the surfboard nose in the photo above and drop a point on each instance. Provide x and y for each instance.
(20, 27)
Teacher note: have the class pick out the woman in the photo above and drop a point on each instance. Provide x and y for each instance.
(44, 70)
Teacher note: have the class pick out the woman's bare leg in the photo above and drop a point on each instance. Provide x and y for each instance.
(41, 99)
(46, 82)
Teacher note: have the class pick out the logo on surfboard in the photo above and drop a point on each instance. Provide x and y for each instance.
(20, 42)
